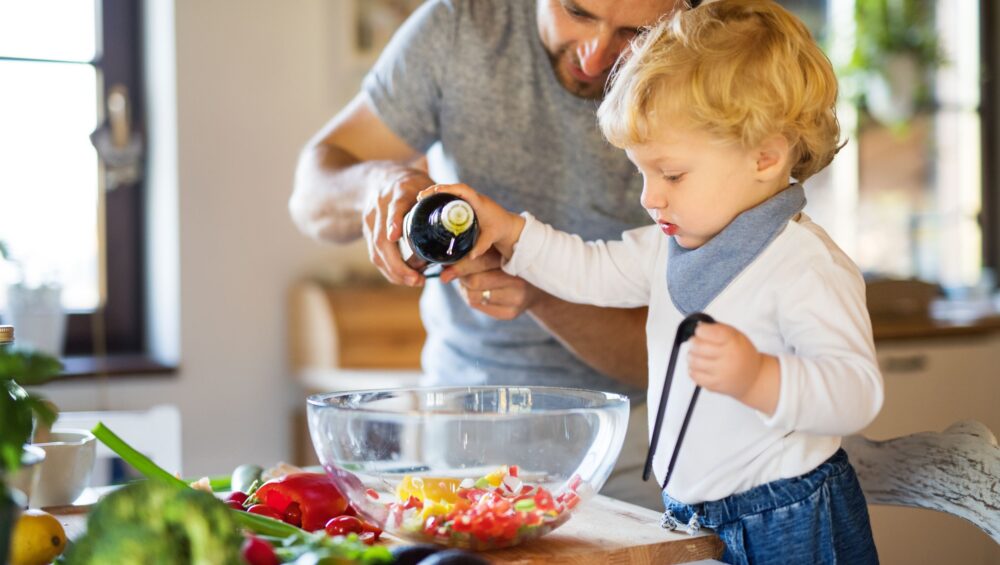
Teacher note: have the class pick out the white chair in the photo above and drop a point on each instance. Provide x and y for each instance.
(155, 432)
(956, 472)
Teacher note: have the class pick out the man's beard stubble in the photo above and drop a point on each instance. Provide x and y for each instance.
(588, 91)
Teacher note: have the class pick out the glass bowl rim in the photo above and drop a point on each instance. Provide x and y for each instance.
(610, 400)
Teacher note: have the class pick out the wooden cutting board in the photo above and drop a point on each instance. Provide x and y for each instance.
(603, 530)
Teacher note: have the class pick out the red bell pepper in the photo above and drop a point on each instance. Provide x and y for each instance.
(316, 497)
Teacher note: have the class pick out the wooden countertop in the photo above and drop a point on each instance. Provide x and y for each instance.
(603, 530)
(897, 329)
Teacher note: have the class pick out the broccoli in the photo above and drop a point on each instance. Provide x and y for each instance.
(154, 523)
(131, 544)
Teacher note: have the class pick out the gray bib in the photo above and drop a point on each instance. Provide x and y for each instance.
(696, 276)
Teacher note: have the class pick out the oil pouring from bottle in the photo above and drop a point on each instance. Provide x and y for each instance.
(441, 229)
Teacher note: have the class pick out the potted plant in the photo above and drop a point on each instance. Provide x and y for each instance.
(34, 306)
(19, 411)
(896, 50)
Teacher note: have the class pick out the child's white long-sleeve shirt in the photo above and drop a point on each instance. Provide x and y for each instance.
(801, 299)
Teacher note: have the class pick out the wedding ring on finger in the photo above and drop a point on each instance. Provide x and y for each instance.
(485, 298)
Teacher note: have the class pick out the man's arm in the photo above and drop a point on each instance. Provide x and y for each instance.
(352, 180)
(610, 340)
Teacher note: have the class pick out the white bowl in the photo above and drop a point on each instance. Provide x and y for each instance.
(26, 478)
(65, 473)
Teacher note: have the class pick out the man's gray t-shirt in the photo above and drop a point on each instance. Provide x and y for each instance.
(469, 83)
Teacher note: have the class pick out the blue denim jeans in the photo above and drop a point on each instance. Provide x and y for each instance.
(817, 518)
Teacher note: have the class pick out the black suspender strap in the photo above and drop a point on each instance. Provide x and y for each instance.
(684, 332)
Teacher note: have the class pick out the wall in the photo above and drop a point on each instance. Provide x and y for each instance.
(250, 81)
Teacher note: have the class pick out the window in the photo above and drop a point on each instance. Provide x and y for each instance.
(58, 61)
(909, 195)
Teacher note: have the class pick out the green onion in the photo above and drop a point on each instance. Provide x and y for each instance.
(255, 522)
(137, 460)
(264, 525)
(217, 482)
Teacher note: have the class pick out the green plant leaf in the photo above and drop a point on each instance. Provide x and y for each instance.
(18, 409)
(10, 458)
(892, 27)
(28, 367)
(43, 410)
(15, 424)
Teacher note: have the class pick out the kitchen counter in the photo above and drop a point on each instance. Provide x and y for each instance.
(379, 325)
(603, 530)
(896, 329)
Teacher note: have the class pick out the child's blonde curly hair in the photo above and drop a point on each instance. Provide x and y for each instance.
(740, 69)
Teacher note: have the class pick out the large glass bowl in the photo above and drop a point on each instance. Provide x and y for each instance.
(471, 467)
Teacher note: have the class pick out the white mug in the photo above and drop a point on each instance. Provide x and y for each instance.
(66, 470)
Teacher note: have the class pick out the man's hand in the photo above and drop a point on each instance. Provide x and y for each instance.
(383, 222)
(485, 287)
(723, 360)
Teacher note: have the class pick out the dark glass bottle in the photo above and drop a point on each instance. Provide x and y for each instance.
(441, 228)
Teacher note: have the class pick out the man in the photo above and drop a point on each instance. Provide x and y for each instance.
(500, 95)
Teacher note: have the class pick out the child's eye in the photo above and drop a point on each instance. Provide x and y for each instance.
(673, 178)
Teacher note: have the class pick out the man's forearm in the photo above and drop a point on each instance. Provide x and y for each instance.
(611, 340)
(331, 187)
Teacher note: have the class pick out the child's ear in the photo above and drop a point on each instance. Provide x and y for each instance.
(772, 158)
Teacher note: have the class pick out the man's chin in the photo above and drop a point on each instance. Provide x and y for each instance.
(593, 90)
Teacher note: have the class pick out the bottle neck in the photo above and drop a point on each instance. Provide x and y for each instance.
(457, 217)
(6, 336)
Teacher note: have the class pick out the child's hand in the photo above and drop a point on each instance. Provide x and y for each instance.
(723, 360)
(497, 227)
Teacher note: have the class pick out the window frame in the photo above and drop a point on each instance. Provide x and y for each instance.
(121, 328)
(989, 50)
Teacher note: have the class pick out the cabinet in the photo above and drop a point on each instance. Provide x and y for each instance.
(350, 338)
(930, 384)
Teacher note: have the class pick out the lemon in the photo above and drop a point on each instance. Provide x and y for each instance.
(439, 489)
(38, 538)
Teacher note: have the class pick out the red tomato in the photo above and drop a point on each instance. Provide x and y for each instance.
(371, 529)
(343, 525)
(256, 551)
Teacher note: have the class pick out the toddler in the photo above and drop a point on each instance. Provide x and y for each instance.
(726, 110)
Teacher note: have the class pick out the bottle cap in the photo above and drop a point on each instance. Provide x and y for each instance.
(6, 334)
(457, 216)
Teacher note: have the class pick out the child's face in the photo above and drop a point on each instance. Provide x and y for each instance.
(695, 184)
